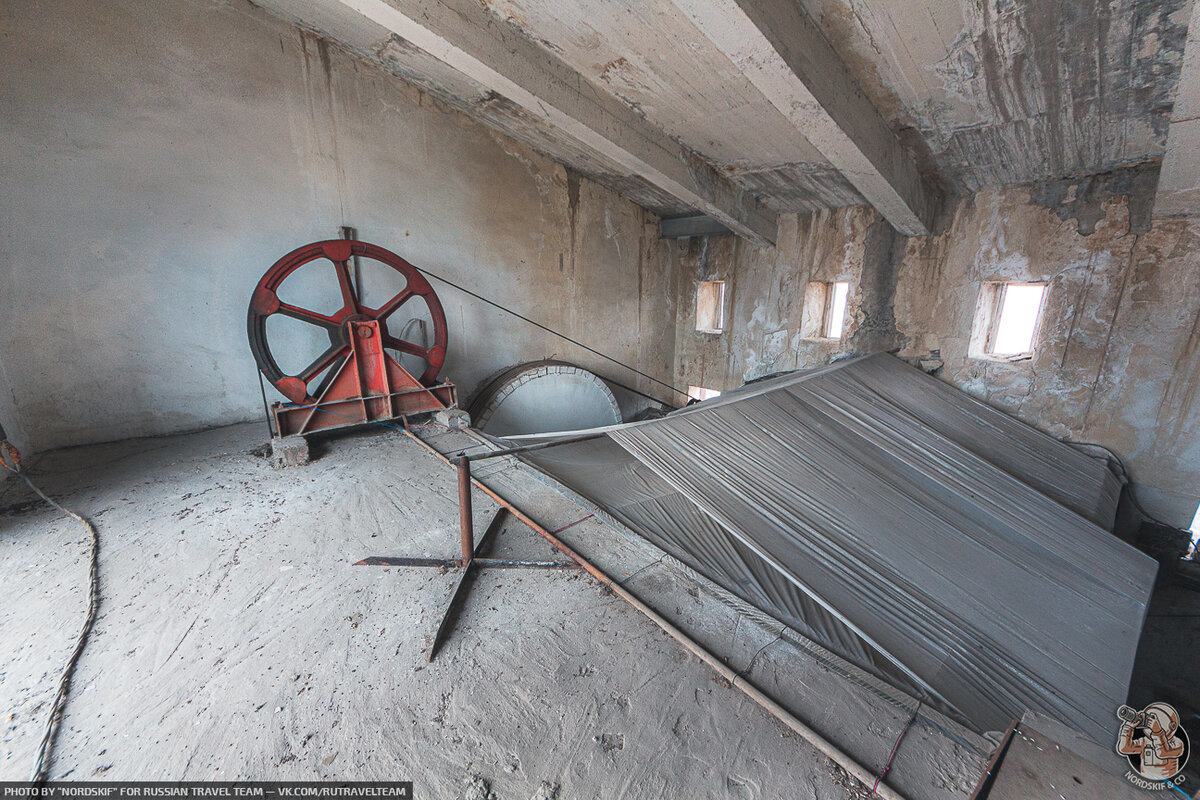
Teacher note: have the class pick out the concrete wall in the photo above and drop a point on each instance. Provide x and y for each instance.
(764, 296)
(1117, 358)
(159, 157)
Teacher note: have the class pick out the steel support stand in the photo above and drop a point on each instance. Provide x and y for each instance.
(466, 567)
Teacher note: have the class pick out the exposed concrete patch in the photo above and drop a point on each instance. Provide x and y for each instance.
(477, 788)
(765, 292)
(289, 451)
(798, 188)
(452, 418)
(1083, 199)
(883, 252)
(1017, 91)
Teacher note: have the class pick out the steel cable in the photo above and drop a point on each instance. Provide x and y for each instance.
(64, 684)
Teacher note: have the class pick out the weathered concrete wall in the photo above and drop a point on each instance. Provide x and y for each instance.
(764, 296)
(1116, 359)
(159, 157)
(1118, 353)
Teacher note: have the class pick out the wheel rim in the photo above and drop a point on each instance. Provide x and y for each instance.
(265, 303)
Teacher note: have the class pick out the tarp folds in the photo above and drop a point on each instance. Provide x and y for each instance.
(916, 532)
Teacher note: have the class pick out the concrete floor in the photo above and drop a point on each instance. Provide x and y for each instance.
(236, 640)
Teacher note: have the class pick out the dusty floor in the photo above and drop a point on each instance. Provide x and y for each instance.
(237, 640)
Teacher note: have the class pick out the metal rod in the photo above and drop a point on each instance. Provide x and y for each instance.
(530, 447)
(469, 567)
(493, 529)
(351, 234)
(455, 595)
(988, 777)
(408, 561)
(465, 523)
(266, 409)
(505, 563)
(458, 563)
(574, 342)
(860, 772)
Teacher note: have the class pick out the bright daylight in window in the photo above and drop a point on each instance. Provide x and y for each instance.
(1192, 554)
(1020, 306)
(700, 393)
(835, 315)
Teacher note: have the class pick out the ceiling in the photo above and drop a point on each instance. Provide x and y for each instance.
(1015, 91)
(915, 99)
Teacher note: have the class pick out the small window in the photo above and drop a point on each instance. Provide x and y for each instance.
(1193, 553)
(1020, 307)
(1007, 319)
(835, 314)
(710, 306)
(700, 393)
(823, 315)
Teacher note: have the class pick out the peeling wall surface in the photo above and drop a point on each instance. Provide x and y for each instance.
(1002, 92)
(158, 158)
(1116, 358)
(981, 92)
(1117, 355)
(984, 92)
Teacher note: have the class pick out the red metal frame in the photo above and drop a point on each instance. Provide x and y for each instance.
(369, 386)
(355, 380)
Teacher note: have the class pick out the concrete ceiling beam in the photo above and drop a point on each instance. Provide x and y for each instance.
(463, 35)
(699, 225)
(1179, 179)
(780, 50)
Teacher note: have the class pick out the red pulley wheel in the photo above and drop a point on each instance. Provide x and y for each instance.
(266, 302)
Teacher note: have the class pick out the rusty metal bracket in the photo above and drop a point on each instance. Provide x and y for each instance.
(458, 593)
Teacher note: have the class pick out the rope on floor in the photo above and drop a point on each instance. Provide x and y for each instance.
(64, 684)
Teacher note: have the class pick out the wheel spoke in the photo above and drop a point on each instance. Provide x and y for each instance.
(322, 361)
(389, 308)
(349, 298)
(304, 315)
(405, 347)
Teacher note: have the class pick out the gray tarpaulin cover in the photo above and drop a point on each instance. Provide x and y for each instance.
(918, 533)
